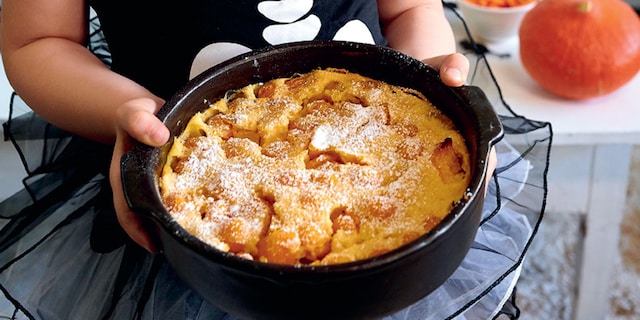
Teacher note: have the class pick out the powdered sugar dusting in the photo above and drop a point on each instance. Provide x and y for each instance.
(322, 180)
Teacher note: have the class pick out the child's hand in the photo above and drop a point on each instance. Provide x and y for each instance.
(135, 119)
(453, 68)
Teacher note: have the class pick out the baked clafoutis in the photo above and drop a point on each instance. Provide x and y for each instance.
(319, 168)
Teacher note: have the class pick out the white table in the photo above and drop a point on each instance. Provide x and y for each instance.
(590, 161)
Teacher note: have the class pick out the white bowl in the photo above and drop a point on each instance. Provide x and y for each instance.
(492, 25)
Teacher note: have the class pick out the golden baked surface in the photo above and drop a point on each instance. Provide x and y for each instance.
(321, 168)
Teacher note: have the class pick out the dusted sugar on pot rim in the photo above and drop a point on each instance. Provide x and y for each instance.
(320, 168)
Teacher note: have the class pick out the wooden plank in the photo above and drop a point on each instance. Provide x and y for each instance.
(610, 176)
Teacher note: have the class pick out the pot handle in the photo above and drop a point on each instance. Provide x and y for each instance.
(139, 187)
(489, 124)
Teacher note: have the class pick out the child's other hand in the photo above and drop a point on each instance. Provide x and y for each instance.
(135, 120)
(453, 68)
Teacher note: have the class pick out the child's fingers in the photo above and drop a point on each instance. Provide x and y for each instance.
(137, 118)
(453, 68)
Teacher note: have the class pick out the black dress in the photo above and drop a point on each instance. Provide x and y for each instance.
(63, 254)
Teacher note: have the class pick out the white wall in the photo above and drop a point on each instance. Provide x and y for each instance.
(11, 170)
(5, 94)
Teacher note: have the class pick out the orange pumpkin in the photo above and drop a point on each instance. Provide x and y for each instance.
(580, 49)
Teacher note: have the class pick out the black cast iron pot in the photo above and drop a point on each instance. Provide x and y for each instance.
(364, 289)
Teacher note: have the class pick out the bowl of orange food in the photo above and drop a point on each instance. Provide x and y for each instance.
(317, 179)
(494, 21)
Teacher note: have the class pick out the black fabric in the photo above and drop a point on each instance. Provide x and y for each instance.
(106, 233)
(155, 42)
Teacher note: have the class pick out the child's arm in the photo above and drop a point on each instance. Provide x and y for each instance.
(48, 65)
(420, 29)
